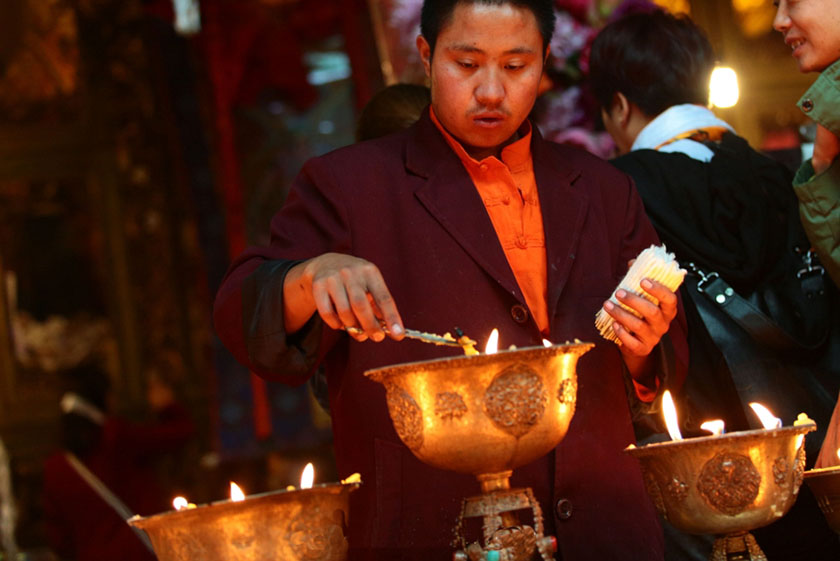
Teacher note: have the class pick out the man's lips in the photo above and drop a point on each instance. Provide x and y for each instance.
(489, 119)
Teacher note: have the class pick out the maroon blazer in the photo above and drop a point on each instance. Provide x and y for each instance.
(406, 203)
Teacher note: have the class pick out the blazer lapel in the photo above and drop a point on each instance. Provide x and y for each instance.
(450, 196)
(564, 209)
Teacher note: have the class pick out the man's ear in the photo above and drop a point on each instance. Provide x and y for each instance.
(425, 54)
(621, 109)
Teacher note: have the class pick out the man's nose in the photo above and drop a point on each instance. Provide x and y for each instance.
(781, 22)
(490, 90)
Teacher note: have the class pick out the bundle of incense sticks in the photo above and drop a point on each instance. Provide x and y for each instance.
(654, 263)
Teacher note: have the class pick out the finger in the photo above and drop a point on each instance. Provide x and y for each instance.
(324, 305)
(357, 295)
(341, 302)
(667, 297)
(630, 344)
(385, 304)
(650, 313)
(634, 326)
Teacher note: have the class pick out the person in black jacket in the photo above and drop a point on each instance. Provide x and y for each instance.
(728, 214)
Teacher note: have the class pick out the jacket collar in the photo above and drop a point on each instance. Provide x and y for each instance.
(450, 196)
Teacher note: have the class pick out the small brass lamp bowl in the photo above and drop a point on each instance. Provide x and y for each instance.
(825, 484)
(484, 414)
(300, 525)
(726, 485)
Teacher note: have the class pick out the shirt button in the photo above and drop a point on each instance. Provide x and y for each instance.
(521, 242)
(483, 167)
(807, 105)
(563, 509)
(519, 313)
(506, 201)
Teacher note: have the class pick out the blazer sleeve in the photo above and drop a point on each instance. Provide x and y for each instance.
(248, 310)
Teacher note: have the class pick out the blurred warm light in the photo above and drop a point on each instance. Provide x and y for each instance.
(675, 6)
(754, 17)
(715, 427)
(767, 418)
(492, 342)
(723, 87)
(180, 502)
(236, 493)
(670, 413)
(547, 343)
(838, 453)
(307, 477)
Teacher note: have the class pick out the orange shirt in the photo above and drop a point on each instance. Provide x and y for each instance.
(509, 191)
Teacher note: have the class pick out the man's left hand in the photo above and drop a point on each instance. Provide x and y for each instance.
(639, 335)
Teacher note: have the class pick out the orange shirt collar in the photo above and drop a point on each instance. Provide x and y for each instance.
(514, 155)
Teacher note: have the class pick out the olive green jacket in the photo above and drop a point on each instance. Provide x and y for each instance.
(819, 195)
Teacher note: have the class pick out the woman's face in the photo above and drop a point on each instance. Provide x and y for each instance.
(811, 28)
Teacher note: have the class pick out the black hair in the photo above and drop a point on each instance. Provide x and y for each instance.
(437, 13)
(392, 109)
(655, 59)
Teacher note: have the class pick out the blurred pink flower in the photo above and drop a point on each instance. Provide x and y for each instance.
(598, 143)
(579, 9)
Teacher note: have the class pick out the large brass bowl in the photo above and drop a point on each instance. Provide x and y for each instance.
(303, 525)
(825, 484)
(484, 414)
(725, 484)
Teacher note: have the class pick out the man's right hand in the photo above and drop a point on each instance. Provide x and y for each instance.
(346, 291)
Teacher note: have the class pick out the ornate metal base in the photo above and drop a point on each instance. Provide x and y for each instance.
(737, 547)
(505, 539)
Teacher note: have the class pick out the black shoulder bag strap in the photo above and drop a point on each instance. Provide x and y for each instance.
(755, 322)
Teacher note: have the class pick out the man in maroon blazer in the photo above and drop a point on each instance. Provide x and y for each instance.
(401, 229)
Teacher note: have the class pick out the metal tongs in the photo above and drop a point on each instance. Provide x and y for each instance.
(433, 338)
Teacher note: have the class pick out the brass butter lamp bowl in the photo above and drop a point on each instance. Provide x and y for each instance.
(486, 415)
(726, 485)
(825, 484)
(299, 525)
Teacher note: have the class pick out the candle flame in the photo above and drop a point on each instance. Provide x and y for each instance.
(236, 493)
(492, 343)
(670, 413)
(715, 427)
(307, 477)
(547, 343)
(179, 503)
(767, 418)
(838, 453)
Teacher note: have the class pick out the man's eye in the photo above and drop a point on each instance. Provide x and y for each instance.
(466, 64)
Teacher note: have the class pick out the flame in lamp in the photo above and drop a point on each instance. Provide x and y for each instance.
(492, 346)
(547, 343)
(838, 453)
(670, 413)
(180, 503)
(767, 418)
(307, 477)
(236, 493)
(715, 427)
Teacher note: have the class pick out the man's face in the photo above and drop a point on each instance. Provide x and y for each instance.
(485, 73)
(812, 29)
